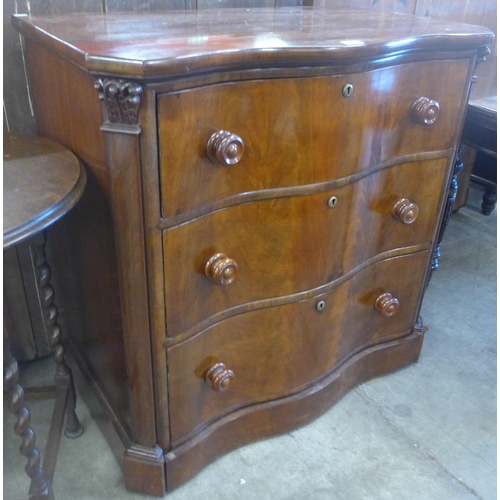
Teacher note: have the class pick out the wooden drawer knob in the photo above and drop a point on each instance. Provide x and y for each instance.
(219, 377)
(387, 305)
(225, 148)
(405, 211)
(221, 269)
(424, 111)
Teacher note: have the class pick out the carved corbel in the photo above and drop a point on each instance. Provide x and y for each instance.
(121, 104)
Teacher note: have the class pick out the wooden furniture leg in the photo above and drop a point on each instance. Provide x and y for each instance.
(42, 181)
(65, 395)
(64, 376)
(489, 200)
(39, 486)
(480, 136)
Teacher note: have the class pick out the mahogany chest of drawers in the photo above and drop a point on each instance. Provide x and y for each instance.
(265, 190)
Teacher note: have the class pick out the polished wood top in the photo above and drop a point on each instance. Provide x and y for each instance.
(178, 42)
(41, 182)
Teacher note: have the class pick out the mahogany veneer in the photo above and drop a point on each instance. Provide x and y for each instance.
(272, 182)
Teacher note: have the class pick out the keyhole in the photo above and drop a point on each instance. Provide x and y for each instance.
(348, 90)
(332, 201)
(320, 305)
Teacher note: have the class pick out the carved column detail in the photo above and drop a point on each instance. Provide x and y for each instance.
(121, 102)
(452, 196)
(482, 54)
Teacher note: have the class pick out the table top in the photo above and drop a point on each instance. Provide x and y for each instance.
(41, 182)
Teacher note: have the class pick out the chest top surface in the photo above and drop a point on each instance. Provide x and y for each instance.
(147, 45)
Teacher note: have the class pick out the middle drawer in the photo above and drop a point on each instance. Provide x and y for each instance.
(289, 245)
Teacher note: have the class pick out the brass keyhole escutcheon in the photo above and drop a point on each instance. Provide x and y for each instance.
(320, 305)
(332, 201)
(348, 90)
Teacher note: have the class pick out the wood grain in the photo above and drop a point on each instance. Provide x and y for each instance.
(124, 160)
(303, 244)
(218, 46)
(275, 352)
(152, 323)
(41, 182)
(17, 112)
(155, 263)
(284, 415)
(60, 95)
(290, 138)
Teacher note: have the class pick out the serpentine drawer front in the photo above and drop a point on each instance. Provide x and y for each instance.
(262, 208)
(300, 131)
(305, 242)
(271, 352)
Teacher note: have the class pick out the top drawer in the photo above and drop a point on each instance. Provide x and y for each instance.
(299, 131)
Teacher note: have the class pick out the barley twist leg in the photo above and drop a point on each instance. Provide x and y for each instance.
(46, 295)
(39, 486)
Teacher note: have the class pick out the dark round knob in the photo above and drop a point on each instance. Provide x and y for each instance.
(405, 211)
(225, 148)
(424, 111)
(221, 269)
(219, 377)
(387, 305)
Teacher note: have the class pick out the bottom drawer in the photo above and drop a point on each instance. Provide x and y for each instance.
(278, 351)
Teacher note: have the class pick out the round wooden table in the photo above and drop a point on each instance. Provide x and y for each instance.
(41, 182)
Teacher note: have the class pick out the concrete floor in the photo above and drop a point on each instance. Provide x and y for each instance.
(427, 432)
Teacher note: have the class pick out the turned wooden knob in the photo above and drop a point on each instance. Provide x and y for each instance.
(221, 269)
(219, 377)
(387, 305)
(424, 111)
(405, 211)
(225, 148)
